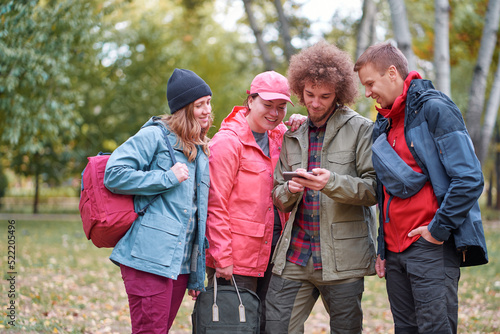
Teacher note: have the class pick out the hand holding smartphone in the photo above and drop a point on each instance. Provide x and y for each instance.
(288, 175)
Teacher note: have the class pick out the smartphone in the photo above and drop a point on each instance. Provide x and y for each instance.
(288, 175)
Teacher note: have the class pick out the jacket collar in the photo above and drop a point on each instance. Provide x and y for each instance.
(237, 123)
(398, 107)
(419, 92)
(339, 118)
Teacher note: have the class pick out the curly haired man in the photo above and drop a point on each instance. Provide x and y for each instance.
(327, 245)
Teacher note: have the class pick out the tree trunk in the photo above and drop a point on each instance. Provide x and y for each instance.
(366, 29)
(489, 191)
(490, 118)
(478, 85)
(497, 166)
(37, 192)
(266, 56)
(442, 46)
(401, 31)
(285, 30)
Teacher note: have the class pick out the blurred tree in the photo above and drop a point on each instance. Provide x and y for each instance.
(42, 44)
(257, 31)
(137, 56)
(478, 87)
(497, 165)
(4, 183)
(284, 28)
(366, 29)
(401, 30)
(276, 26)
(473, 42)
(491, 115)
(442, 46)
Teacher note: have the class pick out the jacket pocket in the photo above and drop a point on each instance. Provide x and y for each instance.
(294, 160)
(156, 239)
(249, 172)
(247, 241)
(255, 167)
(164, 161)
(342, 162)
(352, 245)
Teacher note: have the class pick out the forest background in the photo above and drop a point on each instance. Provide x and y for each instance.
(78, 77)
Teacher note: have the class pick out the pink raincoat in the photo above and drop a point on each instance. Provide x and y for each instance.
(240, 205)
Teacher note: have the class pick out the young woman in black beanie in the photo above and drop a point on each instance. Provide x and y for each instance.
(163, 253)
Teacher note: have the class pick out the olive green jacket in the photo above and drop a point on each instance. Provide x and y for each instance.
(347, 222)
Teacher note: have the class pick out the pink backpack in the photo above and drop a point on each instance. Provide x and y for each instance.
(106, 216)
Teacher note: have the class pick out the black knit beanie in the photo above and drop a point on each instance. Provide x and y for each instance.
(184, 87)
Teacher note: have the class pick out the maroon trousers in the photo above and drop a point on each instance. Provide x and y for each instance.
(153, 300)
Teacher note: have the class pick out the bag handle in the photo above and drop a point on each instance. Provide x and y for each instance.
(215, 308)
(172, 155)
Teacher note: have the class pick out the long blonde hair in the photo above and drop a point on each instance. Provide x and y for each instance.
(188, 130)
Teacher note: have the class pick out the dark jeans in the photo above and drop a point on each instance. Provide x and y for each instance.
(422, 285)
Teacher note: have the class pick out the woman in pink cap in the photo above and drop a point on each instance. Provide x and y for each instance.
(243, 225)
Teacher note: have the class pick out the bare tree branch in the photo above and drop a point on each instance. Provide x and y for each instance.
(366, 29)
(402, 31)
(285, 30)
(478, 85)
(490, 118)
(442, 46)
(266, 56)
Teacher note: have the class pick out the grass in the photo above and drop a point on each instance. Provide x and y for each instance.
(66, 285)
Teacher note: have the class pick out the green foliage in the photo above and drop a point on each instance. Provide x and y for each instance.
(36, 93)
(343, 33)
(267, 20)
(42, 45)
(79, 77)
(467, 21)
(139, 54)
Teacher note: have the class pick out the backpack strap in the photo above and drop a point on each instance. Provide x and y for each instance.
(172, 155)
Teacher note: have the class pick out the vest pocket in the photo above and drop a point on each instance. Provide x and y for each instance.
(156, 239)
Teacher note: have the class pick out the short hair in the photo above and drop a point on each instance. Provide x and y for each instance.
(382, 56)
(323, 64)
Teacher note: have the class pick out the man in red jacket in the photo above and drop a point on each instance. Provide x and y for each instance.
(431, 211)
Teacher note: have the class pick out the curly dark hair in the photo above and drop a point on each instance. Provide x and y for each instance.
(323, 64)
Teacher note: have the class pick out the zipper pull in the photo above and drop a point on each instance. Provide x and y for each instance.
(394, 143)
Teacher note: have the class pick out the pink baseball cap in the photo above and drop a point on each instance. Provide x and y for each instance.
(270, 85)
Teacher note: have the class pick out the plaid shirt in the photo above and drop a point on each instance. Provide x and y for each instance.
(305, 240)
